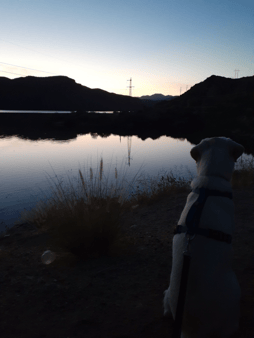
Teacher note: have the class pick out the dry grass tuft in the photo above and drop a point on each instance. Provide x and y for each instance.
(82, 220)
(150, 189)
(244, 175)
(86, 228)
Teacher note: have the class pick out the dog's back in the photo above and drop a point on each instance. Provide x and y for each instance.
(213, 292)
(212, 304)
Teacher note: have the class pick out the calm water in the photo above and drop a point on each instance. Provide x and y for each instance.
(48, 111)
(34, 112)
(25, 164)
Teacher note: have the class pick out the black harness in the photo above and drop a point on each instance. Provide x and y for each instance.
(191, 229)
(194, 214)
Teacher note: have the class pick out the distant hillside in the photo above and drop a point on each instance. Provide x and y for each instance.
(215, 91)
(218, 103)
(157, 97)
(59, 93)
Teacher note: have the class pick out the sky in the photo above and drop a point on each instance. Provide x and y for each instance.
(165, 46)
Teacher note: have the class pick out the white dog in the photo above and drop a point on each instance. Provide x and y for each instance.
(212, 303)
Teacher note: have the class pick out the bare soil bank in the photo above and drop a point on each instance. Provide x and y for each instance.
(114, 296)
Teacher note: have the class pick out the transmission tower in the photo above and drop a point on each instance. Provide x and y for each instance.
(130, 87)
(236, 73)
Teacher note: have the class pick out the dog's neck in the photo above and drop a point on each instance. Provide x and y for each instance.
(211, 182)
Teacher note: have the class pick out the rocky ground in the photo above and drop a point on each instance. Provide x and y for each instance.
(119, 295)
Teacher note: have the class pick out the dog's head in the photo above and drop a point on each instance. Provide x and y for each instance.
(216, 156)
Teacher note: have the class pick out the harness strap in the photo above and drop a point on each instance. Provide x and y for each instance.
(194, 214)
(192, 223)
(211, 192)
(210, 233)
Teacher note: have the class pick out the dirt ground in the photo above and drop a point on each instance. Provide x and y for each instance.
(116, 296)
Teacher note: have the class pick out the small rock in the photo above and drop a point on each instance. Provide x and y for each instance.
(134, 226)
(30, 277)
(40, 280)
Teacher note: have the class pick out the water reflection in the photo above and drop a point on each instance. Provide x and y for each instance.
(50, 111)
(26, 164)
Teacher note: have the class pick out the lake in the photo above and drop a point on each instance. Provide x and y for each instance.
(26, 164)
(49, 111)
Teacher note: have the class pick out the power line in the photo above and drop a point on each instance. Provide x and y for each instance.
(9, 64)
(2, 71)
(34, 51)
(53, 57)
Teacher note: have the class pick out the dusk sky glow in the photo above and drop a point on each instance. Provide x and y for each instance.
(162, 45)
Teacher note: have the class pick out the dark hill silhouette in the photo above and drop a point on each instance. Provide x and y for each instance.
(214, 102)
(214, 91)
(59, 93)
(151, 100)
(217, 106)
(157, 97)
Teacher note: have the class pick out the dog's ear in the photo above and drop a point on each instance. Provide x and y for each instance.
(195, 153)
(236, 149)
(237, 152)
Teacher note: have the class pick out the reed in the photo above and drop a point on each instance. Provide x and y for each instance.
(85, 219)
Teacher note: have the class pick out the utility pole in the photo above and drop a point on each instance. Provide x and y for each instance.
(130, 87)
(236, 73)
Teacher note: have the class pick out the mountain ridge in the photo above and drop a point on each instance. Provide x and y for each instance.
(157, 97)
(213, 91)
(59, 93)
